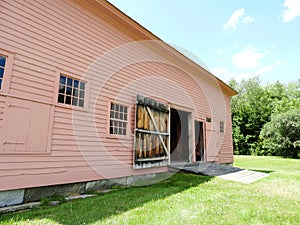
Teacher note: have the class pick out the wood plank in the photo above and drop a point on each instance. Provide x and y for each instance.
(152, 132)
(152, 159)
(156, 128)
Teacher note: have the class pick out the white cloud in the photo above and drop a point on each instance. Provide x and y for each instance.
(248, 58)
(237, 15)
(264, 70)
(225, 75)
(291, 11)
(248, 19)
(242, 76)
(280, 63)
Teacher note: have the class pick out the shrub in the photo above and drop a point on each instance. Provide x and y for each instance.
(281, 136)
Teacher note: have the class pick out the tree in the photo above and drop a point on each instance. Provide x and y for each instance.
(281, 136)
(283, 97)
(254, 106)
(249, 113)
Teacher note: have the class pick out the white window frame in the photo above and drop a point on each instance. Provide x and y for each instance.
(118, 120)
(7, 70)
(74, 77)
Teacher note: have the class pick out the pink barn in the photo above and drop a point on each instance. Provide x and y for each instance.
(87, 94)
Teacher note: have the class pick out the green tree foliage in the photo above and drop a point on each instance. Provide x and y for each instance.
(282, 98)
(281, 136)
(253, 107)
(249, 113)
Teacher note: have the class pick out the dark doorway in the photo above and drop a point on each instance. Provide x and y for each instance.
(199, 141)
(179, 136)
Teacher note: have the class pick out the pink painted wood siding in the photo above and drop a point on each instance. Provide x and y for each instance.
(55, 36)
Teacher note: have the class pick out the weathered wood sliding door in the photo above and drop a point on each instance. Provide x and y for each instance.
(152, 133)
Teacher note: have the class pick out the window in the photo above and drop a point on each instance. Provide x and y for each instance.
(208, 119)
(71, 91)
(2, 67)
(118, 119)
(222, 127)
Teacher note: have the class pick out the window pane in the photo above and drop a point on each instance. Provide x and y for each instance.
(115, 123)
(70, 82)
(125, 109)
(75, 92)
(121, 116)
(116, 115)
(1, 72)
(124, 132)
(76, 83)
(62, 89)
(68, 100)
(61, 98)
(81, 95)
(2, 61)
(69, 91)
(115, 130)
(75, 101)
(111, 130)
(221, 127)
(62, 80)
(112, 106)
(82, 85)
(121, 108)
(112, 114)
(125, 116)
(81, 102)
(0, 83)
(117, 107)
(120, 131)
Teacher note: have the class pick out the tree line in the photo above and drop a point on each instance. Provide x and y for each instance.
(266, 118)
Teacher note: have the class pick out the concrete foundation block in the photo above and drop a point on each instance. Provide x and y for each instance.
(122, 181)
(13, 197)
(147, 179)
(34, 194)
(140, 180)
(99, 185)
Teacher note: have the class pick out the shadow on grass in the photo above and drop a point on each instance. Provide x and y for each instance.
(99, 208)
(263, 171)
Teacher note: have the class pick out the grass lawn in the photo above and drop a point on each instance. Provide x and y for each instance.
(187, 199)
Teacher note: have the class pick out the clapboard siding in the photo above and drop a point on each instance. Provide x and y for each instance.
(76, 38)
(226, 153)
(53, 25)
(2, 104)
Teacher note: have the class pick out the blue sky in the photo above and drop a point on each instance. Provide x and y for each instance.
(234, 39)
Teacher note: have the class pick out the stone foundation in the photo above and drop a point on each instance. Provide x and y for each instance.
(15, 197)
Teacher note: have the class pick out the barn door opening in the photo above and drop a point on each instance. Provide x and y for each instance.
(199, 141)
(180, 136)
(152, 138)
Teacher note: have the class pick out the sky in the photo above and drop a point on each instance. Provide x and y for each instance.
(236, 39)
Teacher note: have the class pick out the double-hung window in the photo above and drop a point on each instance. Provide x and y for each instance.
(118, 119)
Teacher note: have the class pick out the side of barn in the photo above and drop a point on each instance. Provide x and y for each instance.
(71, 74)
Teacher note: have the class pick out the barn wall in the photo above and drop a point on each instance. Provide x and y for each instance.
(52, 37)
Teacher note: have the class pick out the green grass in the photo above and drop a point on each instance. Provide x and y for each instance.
(187, 199)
